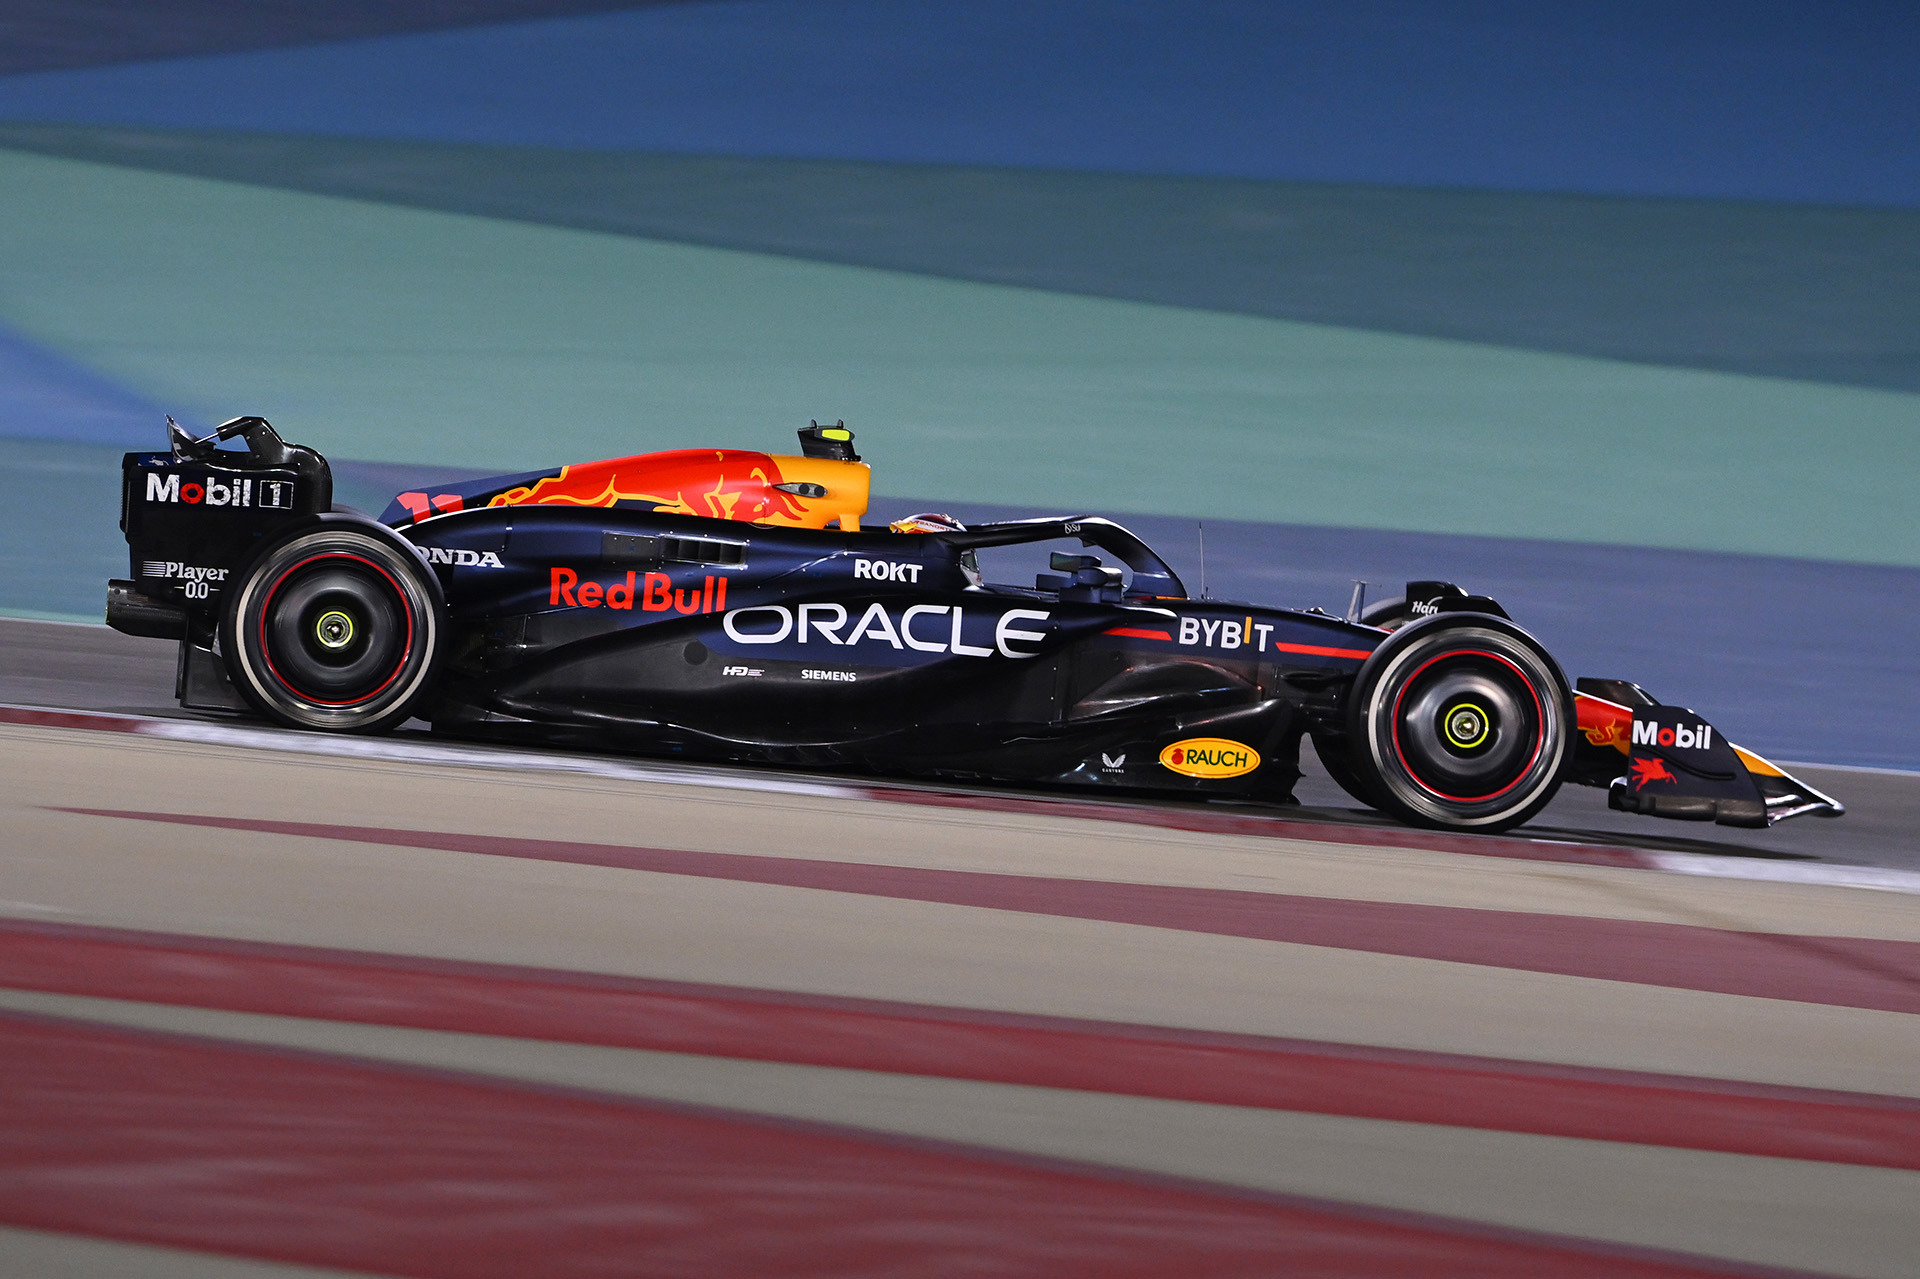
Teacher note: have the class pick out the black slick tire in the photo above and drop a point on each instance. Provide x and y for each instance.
(337, 626)
(1460, 722)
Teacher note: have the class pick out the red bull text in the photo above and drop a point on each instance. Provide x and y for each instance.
(654, 593)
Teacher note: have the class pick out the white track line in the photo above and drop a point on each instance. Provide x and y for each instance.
(502, 758)
(506, 759)
(1850, 768)
(1830, 876)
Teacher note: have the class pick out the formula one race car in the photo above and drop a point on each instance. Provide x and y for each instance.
(699, 604)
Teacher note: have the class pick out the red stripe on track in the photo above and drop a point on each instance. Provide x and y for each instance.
(90, 720)
(292, 1157)
(1844, 971)
(1139, 1061)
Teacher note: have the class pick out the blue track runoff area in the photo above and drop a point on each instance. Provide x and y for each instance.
(1411, 290)
(46, 396)
(1769, 100)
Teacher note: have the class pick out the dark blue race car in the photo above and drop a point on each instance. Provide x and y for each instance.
(727, 604)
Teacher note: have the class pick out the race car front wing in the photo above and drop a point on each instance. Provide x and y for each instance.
(1666, 761)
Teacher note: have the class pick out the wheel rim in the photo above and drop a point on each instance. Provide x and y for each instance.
(336, 629)
(1468, 726)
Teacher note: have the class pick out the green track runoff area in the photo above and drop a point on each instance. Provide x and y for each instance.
(386, 333)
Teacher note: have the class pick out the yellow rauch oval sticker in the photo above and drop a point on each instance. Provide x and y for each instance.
(1210, 757)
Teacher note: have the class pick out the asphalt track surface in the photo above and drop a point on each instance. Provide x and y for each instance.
(284, 1004)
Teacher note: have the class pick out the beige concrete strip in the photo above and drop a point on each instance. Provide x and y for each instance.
(40, 1254)
(1825, 1217)
(221, 883)
(80, 769)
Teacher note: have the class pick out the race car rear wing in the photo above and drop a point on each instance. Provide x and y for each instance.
(193, 513)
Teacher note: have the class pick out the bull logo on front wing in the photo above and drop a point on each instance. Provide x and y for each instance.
(1603, 723)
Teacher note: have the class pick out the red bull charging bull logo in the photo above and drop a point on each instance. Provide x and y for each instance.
(1603, 723)
(720, 484)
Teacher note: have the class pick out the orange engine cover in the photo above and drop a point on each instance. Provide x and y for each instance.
(721, 484)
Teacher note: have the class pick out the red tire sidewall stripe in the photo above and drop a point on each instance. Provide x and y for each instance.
(1540, 718)
(406, 609)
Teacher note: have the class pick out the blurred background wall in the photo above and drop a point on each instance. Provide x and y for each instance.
(1610, 309)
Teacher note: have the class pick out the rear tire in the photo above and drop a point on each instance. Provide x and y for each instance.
(1460, 722)
(338, 627)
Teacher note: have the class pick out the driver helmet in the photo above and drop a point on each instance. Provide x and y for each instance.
(936, 522)
(927, 522)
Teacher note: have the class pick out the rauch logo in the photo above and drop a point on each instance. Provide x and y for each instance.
(1210, 757)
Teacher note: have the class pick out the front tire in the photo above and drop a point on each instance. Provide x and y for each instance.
(1461, 722)
(337, 627)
